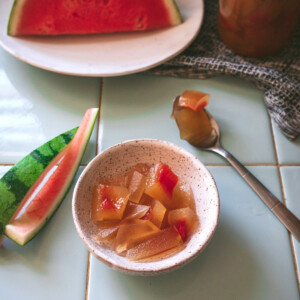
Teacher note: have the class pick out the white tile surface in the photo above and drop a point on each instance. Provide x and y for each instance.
(288, 151)
(290, 180)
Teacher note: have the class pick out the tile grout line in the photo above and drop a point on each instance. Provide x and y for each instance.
(289, 165)
(99, 113)
(100, 110)
(97, 137)
(87, 276)
(284, 201)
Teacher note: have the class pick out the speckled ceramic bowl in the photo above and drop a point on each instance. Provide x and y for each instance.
(118, 160)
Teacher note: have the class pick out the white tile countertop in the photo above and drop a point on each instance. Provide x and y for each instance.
(251, 256)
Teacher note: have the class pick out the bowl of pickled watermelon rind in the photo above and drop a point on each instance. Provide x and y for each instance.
(119, 159)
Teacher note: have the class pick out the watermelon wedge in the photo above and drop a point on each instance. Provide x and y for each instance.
(23, 177)
(24, 227)
(56, 17)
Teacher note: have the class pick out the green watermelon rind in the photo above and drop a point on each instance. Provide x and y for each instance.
(11, 233)
(10, 18)
(13, 17)
(18, 180)
(175, 16)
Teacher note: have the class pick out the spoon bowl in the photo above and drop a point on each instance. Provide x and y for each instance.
(214, 138)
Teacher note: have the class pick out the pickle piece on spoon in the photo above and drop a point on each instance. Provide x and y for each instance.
(191, 118)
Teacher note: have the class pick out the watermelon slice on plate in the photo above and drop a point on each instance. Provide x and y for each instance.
(57, 17)
(102, 55)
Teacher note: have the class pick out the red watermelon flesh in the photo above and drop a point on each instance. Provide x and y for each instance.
(56, 17)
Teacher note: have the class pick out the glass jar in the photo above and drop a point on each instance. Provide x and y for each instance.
(257, 27)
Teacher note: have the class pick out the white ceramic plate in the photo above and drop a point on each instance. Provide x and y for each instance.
(104, 55)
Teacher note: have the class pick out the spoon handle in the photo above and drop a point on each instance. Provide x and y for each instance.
(287, 218)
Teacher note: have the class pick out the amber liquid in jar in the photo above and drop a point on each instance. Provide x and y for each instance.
(257, 27)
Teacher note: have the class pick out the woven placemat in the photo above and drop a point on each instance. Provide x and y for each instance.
(278, 76)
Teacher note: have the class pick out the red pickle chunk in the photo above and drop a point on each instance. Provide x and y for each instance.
(184, 219)
(109, 202)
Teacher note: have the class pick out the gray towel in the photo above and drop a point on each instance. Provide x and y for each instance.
(278, 76)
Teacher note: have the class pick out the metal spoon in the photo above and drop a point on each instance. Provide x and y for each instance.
(287, 218)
